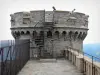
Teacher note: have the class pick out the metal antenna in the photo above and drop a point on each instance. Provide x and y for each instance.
(71, 13)
(73, 10)
(54, 8)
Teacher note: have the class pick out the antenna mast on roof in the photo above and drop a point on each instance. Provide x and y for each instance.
(54, 8)
(73, 11)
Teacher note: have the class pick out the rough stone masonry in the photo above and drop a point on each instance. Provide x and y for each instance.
(50, 31)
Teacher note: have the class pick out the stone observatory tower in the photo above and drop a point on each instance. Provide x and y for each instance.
(50, 31)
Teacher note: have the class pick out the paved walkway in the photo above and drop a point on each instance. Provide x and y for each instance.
(49, 67)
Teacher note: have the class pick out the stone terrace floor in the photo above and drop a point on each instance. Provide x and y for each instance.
(49, 67)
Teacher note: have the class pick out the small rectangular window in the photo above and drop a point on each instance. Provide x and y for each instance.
(26, 20)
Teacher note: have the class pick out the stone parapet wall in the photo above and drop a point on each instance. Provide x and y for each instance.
(71, 19)
(83, 63)
(63, 18)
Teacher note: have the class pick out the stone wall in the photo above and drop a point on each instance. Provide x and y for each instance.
(66, 18)
(67, 29)
(66, 37)
(83, 63)
(75, 19)
(37, 16)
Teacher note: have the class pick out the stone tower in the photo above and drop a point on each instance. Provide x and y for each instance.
(50, 31)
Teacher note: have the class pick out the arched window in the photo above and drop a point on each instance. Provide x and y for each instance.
(75, 35)
(57, 34)
(27, 32)
(34, 33)
(70, 34)
(41, 34)
(64, 35)
(80, 35)
(49, 34)
(22, 33)
(18, 33)
(84, 35)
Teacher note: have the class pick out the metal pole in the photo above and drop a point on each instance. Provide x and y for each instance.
(92, 65)
(10, 59)
(2, 64)
(83, 63)
(44, 35)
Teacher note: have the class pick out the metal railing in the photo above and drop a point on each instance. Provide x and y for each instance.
(93, 60)
(14, 57)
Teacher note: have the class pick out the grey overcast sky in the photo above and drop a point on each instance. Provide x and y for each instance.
(89, 7)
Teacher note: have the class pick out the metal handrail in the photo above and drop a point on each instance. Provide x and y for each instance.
(84, 53)
(14, 57)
